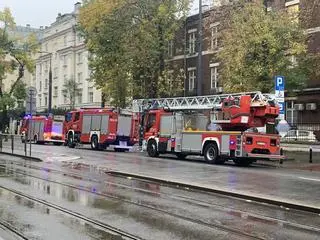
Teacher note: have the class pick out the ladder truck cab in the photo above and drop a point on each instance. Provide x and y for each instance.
(42, 129)
(101, 128)
(218, 127)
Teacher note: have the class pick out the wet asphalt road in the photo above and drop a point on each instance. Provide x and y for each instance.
(147, 210)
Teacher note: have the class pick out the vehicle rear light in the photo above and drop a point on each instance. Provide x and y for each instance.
(249, 140)
(273, 142)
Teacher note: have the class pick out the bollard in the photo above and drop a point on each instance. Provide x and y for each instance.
(281, 154)
(12, 143)
(310, 154)
(25, 145)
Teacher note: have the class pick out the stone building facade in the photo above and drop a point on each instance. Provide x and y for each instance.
(64, 48)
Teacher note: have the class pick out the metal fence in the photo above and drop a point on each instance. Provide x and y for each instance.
(303, 132)
(14, 144)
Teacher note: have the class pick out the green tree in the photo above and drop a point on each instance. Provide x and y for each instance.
(16, 54)
(259, 45)
(128, 41)
(71, 90)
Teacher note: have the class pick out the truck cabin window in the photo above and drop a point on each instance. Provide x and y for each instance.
(151, 121)
(68, 117)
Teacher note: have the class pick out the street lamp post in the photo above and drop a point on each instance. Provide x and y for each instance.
(50, 87)
(199, 67)
(50, 83)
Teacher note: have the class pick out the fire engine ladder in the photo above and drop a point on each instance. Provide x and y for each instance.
(198, 102)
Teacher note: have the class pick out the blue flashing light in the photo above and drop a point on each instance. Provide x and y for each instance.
(232, 142)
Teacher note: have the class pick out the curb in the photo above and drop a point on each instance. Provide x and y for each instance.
(278, 203)
(35, 159)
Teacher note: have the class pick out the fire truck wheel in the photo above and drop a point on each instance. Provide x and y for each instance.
(94, 142)
(211, 153)
(152, 148)
(70, 141)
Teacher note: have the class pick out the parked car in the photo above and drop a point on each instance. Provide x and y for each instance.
(300, 135)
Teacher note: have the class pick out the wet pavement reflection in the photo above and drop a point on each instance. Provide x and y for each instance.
(147, 209)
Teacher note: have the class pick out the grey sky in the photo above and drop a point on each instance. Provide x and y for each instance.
(37, 12)
(43, 12)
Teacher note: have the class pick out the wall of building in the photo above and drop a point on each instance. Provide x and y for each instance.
(63, 45)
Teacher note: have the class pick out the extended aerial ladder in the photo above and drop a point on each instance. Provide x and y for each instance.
(198, 102)
(237, 111)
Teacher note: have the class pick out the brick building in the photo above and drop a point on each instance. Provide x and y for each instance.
(183, 54)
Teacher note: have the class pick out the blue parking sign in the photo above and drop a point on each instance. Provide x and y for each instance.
(281, 107)
(279, 83)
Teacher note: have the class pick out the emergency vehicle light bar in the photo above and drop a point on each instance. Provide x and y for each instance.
(196, 102)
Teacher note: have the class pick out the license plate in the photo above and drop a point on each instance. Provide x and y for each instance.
(261, 143)
(123, 143)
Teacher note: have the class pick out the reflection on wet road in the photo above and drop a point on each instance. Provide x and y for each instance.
(145, 209)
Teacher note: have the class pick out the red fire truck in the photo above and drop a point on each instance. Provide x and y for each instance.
(42, 129)
(101, 128)
(182, 126)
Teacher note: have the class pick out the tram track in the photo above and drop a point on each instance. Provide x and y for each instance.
(73, 214)
(243, 214)
(8, 226)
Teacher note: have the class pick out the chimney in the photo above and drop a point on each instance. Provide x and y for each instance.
(77, 7)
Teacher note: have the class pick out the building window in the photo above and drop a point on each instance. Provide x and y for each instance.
(55, 91)
(80, 77)
(90, 90)
(214, 35)
(45, 100)
(79, 57)
(65, 78)
(55, 72)
(291, 113)
(79, 98)
(46, 47)
(65, 60)
(192, 79)
(192, 42)
(170, 48)
(214, 76)
(46, 84)
(65, 98)
(79, 38)
(40, 102)
(40, 86)
(65, 40)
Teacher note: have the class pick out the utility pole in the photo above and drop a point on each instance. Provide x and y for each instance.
(199, 67)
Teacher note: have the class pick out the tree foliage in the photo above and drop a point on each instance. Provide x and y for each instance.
(71, 90)
(259, 45)
(16, 54)
(128, 41)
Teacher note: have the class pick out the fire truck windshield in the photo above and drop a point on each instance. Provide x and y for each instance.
(68, 117)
